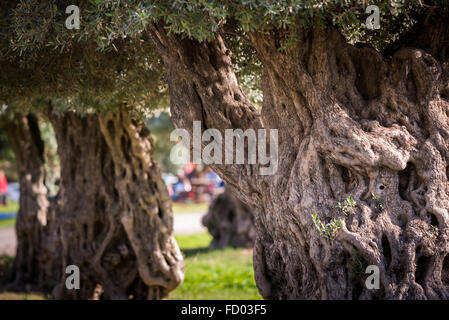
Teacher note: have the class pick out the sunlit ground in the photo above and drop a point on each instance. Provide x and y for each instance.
(215, 274)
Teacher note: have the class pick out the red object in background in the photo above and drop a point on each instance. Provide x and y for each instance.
(189, 167)
(3, 184)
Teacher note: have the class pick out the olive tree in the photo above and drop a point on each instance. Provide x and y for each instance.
(112, 217)
(362, 126)
(362, 120)
(230, 222)
(25, 140)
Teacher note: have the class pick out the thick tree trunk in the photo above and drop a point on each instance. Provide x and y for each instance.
(230, 222)
(29, 263)
(114, 214)
(351, 123)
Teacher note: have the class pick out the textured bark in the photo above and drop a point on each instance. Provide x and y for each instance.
(230, 222)
(25, 140)
(114, 218)
(351, 123)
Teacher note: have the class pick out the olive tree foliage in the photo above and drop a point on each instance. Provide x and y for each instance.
(37, 24)
(83, 79)
(360, 113)
(110, 55)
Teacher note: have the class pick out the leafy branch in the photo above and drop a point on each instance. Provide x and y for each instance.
(379, 203)
(347, 206)
(328, 230)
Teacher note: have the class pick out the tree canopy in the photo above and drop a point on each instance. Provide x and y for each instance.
(80, 78)
(109, 58)
(33, 25)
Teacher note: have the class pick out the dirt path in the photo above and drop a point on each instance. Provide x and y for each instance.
(8, 241)
(185, 223)
(189, 223)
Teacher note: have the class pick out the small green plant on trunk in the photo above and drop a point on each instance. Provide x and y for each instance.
(358, 265)
(379, 203)
(328, 230)
(347, 206)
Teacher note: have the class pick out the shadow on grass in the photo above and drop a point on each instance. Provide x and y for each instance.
(201, 250)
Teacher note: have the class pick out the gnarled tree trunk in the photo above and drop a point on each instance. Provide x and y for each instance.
(351, 123)
(25, 140)
(113, 211)
(230, 222)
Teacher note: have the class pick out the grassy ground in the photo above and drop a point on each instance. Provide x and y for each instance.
(214, 274)
(209, 274)
(7, 223)
(11, 207)
(20, 296)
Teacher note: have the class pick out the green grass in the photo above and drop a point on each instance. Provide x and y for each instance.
(214, 274)
(198, 241)
(7, 223)
(11, 207)
(21, 296)
(190, 207)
